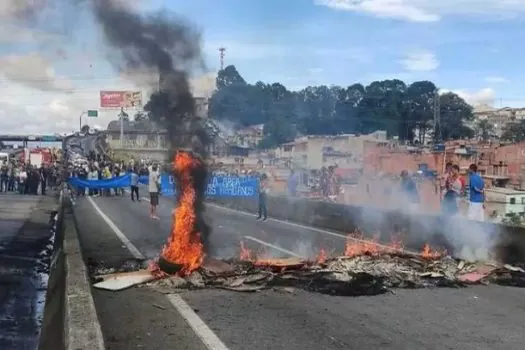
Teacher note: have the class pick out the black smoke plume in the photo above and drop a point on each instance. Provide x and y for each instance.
(161, 42)
(165, 43)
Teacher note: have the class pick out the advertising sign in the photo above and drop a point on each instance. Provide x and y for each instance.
(120, 99)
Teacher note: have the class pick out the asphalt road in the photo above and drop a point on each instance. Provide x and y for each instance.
(24, 234)
(489, 317)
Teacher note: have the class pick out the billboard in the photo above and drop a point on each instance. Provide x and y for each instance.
(118, 99)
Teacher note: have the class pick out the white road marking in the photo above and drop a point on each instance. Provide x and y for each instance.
(315, 229)
(131, 247)
(284, 222)
(205, 334)
(273, 246)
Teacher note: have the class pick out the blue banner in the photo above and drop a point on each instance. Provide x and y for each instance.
(218, 186)
(116, 182)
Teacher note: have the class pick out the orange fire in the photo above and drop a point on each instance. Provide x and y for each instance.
(184, 246)
(246, 254)
(428, 253)
(356, 245)
(321, 257)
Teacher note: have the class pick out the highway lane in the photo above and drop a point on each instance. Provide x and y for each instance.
(229, 228)
(472, 318)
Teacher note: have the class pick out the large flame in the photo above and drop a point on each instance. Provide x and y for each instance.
(184, 246)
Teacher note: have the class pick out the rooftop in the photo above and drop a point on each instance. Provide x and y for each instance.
(504, 190)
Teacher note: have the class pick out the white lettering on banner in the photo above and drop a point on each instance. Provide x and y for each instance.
(222, 186)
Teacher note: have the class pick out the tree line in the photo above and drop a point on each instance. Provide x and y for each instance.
(403, 110)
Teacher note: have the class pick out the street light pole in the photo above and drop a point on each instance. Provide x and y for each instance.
(80, 120)
(121, 115)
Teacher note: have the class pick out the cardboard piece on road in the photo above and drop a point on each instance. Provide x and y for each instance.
(477, 275)
(281, 263)
(124, 280)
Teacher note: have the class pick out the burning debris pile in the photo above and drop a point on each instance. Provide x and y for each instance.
(366, 269)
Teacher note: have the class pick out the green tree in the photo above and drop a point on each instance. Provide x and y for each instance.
(454, 113)
(514, 132)
(383, 107)
(402, 110)
(484, 129)
(419, 99)
(347, 108)
(84, 129)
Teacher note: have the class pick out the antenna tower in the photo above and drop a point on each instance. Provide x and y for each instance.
(222, 50)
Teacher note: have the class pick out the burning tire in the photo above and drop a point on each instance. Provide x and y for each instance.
(168, 267)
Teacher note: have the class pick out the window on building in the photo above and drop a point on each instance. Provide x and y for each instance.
(115, 137)
(522, 200)
(512, 200)
(287, 148)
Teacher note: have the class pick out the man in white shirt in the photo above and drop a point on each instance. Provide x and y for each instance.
(154, 189)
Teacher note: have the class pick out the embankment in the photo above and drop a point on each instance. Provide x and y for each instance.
(453, 234)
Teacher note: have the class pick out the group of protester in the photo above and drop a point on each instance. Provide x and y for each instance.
(454, 189)
(97, 168)
(22, 178)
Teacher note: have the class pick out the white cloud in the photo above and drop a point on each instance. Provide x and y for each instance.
(420, 62)
(429, 10)
(496, 79)
(476, 97)
(25, 109)
(33, 70)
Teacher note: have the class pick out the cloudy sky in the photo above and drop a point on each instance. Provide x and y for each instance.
(51, 73)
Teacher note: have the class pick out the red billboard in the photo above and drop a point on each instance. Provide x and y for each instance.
(119, 99)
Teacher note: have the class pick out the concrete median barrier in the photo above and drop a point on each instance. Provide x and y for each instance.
(70, 318)
(415, 229)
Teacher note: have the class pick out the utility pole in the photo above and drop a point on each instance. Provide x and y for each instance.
(222, 50)
(121, 116)
(437, 118)
(80, 120)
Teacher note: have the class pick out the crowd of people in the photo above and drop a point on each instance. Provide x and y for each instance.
(25, 178)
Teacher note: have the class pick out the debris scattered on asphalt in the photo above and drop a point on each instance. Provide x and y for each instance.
(346, 276)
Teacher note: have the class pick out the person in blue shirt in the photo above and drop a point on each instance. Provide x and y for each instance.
(409, 189)
(476, 209)
(293, 182)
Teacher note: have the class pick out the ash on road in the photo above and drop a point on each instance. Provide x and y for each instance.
(482, 317)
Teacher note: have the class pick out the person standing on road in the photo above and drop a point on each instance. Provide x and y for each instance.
(476, 209)
(154, 189)
(263, 191)
(409, 190)
(454, 188)
(44, 174)
(134, 184)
